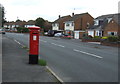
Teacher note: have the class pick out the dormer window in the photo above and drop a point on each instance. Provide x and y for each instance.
(100, 22)
(96, 22)
(109, 19)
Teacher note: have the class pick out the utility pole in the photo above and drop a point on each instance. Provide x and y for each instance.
(0, 15)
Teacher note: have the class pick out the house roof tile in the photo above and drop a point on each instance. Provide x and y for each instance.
(115, 17)
(61, 19)
(76, 16)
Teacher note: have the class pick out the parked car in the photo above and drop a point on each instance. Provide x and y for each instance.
(50, 33)
(67, 36)
(2, 31)
(58, 34)
(46, 33)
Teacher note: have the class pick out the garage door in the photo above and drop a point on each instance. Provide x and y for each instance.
(76, 35)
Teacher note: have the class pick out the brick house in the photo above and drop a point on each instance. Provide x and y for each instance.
(59, 23)
(11, 26)
(30, 23)
(105, 25)
(77, 24)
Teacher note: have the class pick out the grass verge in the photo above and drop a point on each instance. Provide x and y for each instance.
(42, 62)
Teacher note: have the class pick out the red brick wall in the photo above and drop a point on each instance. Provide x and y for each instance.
(111, 27)
(81, 34)
(85, 18)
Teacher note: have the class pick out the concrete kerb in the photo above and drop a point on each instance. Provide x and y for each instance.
(25, 47)
(60, 80)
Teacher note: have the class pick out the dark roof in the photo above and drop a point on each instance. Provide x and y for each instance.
(76, 16)
(99, 26)
(105, 16)
(30, 22)
(61, 19)
(115, 17)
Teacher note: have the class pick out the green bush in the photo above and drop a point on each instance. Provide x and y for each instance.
(104, 37)
(85, 34)
(22, 29)
(87, 37)
(97, 37)
(113, 39)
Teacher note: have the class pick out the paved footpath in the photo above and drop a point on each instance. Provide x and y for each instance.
(15, 67)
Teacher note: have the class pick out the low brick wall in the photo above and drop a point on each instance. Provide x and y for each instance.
(90, 40)
(110, 44)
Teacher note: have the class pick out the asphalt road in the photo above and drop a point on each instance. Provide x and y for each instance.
(75, 61)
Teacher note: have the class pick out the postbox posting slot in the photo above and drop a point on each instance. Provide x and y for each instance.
(35, 33)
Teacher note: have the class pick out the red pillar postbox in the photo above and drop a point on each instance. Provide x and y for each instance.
(34, 45)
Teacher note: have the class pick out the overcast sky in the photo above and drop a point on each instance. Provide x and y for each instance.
(51, 9)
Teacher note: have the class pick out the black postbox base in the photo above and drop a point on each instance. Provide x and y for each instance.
(33, 59)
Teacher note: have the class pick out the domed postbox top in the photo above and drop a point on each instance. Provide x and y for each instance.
(34, 28)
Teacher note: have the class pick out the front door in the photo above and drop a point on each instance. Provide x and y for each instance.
(76, 36)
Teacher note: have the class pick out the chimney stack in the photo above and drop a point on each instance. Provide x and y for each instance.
(72, 14)
(59, 16)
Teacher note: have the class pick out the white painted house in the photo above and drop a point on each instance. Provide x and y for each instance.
(55, 26)
(69, 25)
(59, 23)
(30, 23)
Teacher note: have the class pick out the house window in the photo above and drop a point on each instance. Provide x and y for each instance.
(67, 24)
(72, 23)
(97, 34)
(100, 22)
(112, 33)
(88, 24)
(56, 25)
(96, 22)
(100, 34)
(17, 25)
(53, 24)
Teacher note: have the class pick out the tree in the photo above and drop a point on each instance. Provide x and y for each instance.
(40, 22)
(48, 26)
(18, 20)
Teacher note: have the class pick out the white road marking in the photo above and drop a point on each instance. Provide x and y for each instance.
(53, 43)
(18, 42)
(55, 75)
(61, 46)
(58, 45)
(88, 53)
